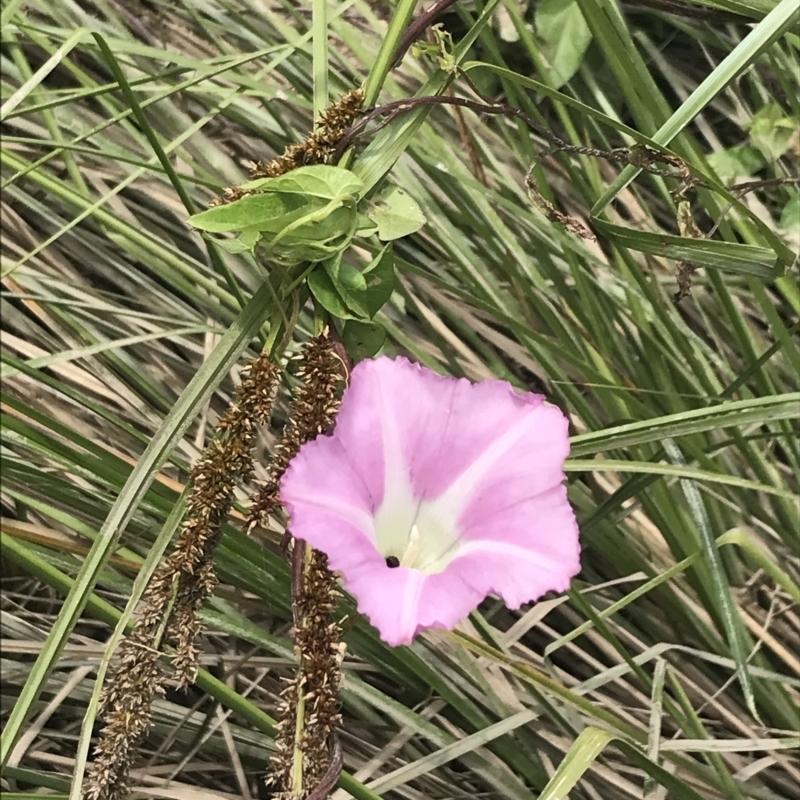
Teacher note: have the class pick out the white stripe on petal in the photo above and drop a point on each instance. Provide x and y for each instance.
(438, 519)
(512, 551)
(395, 517)
(455, 498)
(410, 604)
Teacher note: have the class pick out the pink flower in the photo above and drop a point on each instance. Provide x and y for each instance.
(433, 492)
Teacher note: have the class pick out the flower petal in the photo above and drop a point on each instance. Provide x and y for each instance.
(402, 602)
(329, 504)
(530, 548)
(462, 481)
(392, 421)
(481, 422)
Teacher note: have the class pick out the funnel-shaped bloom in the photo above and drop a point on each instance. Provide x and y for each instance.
(433, 492)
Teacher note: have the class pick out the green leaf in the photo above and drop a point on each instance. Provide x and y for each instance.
(771, 131)
(677, 788)
(350, 294)
(316, 236)
(320, 235)
(729, 414)
(311, 213)
(364, 292)
(233, 246)
(326, 294)
(564, 37)
(316, 180)
(790, 217)
(397, 215)
(732, 623)
(379, 275)
(264, 212)
(580, 756)
(363, 339)
(245, 243)
(345, 276)
(741, 161)
(250, 238)
(366, 227)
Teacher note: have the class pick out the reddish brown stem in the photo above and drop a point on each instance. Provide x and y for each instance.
(328, 780)
(418, 27)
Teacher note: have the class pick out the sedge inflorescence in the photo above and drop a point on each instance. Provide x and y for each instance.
(309, 714)
(317, 148)
(169, 621)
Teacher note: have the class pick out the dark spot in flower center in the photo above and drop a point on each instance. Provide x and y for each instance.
(392, 562)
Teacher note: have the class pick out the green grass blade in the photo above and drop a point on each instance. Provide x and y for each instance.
(721, 588)
(772, 27)
(742, 412)
(174, 426)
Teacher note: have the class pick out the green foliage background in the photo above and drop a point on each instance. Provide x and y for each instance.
(671, 669)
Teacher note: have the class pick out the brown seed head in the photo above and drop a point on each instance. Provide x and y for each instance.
(181, 583)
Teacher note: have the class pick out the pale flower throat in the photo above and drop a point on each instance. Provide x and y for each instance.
(410, 555)
(414, 537)
(409, 558)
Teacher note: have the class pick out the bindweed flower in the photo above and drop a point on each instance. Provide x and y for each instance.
(433, 492)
